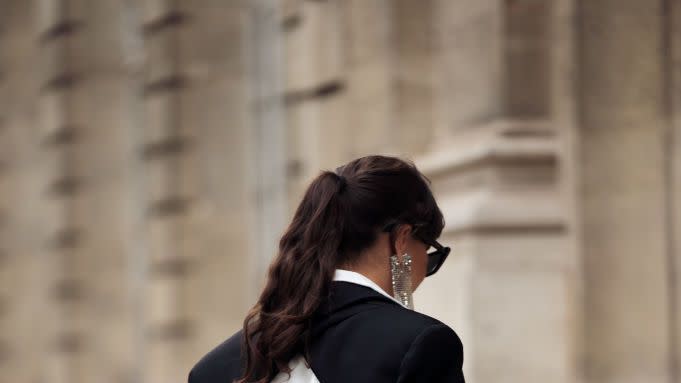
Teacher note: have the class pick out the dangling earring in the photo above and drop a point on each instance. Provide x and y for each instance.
(400, 272)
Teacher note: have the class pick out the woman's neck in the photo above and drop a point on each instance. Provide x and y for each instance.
(376, 272)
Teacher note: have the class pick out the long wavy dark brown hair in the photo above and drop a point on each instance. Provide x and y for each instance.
(340, 214)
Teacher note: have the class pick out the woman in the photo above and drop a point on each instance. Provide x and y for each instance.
(337, 306)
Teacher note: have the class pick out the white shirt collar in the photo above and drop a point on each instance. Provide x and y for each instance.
(357, 278)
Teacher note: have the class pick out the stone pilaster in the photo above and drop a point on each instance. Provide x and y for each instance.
(370, 61)
(468, 54)
(673, 142)
(269, 160)
(217, 170)
(63, 120)
(624, 191)
(316, 99)
(413, 75)
(5, 288)
(27, 265)
(494, 164)
(197, 156)
(165, 149)
(106, 141)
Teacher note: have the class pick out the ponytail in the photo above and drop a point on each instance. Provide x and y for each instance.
(277, 328)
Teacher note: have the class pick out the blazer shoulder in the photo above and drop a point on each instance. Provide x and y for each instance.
(400, 329)
(396, 318)
(435, 355)
(221, 364)
(428, 349)
(384, 339)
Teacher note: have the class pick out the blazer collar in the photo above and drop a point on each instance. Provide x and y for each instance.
(343, 294)
(360, 279)
(346, 299)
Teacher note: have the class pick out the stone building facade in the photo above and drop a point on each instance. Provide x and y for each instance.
(152, 151)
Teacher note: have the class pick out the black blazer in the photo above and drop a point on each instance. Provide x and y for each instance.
(360, 336)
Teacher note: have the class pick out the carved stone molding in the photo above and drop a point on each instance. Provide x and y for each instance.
(500, 176)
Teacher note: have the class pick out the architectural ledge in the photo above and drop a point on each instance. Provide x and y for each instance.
(524, 199)
(504, 141)
(503, 212)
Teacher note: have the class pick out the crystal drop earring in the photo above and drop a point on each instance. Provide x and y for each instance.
(400, 272)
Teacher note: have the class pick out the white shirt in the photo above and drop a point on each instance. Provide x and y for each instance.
(354, 277)
(300, 372)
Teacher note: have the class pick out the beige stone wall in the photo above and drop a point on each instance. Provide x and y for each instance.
(672, 43)
(152, 152)
(125, 252)
(626, 194)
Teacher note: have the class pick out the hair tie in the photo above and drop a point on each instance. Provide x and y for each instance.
(342, 183)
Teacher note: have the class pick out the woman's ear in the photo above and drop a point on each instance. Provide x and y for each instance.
(402, 235)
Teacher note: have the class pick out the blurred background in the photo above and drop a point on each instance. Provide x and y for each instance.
(153, 151)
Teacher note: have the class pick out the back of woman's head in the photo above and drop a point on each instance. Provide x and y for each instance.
(340, 215)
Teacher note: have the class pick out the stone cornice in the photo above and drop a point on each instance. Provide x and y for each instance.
(496, 142)
(500, 206)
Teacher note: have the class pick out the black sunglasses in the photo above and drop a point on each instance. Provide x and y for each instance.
(435, 258)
